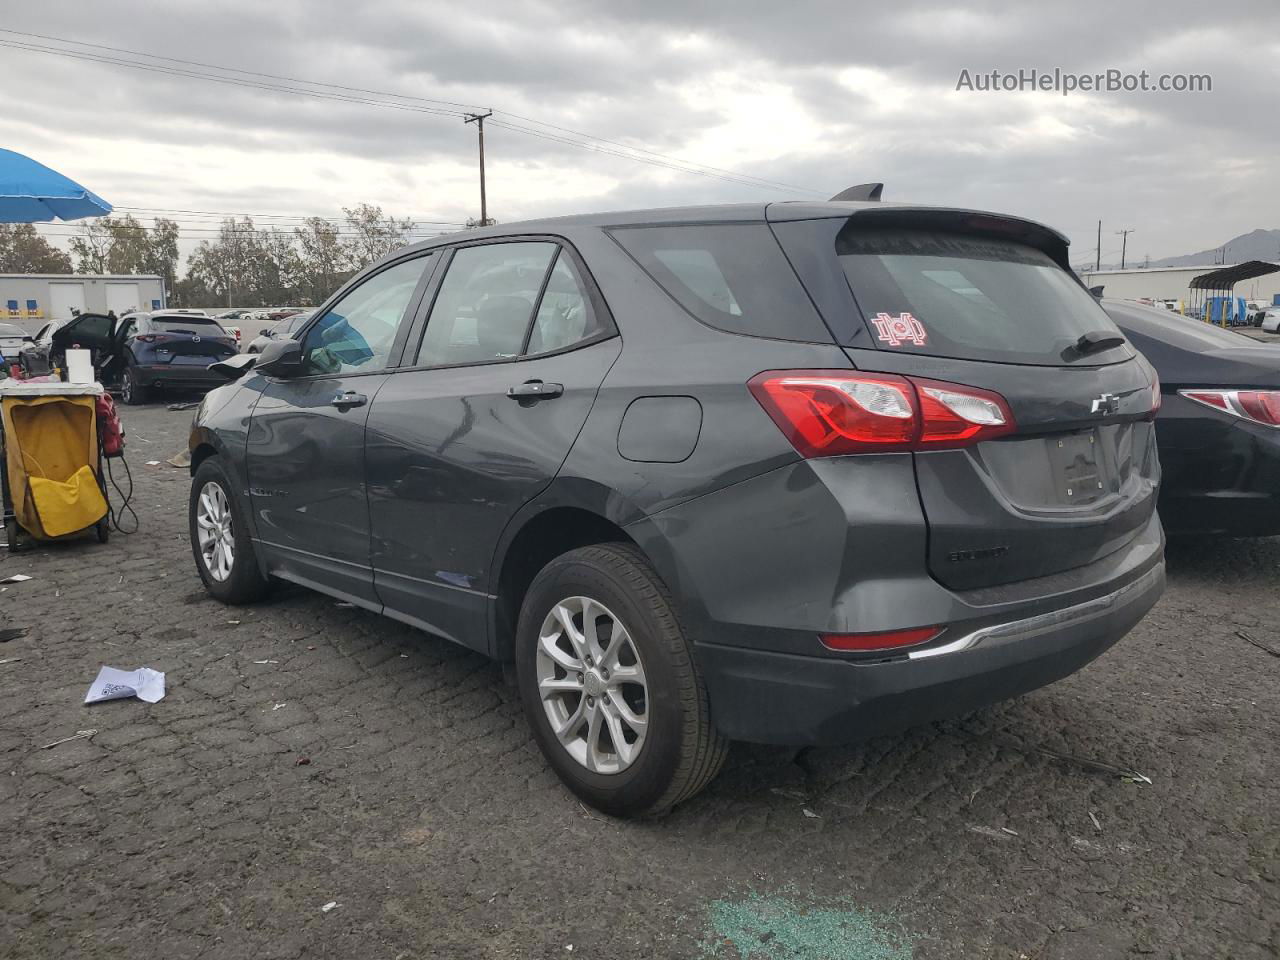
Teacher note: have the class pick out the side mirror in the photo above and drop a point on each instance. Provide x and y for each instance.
(236, 366)
(280, 358)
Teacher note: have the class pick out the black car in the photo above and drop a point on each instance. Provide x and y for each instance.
(1219, 427)
(787, 473)
(280, 328)
(140, 352)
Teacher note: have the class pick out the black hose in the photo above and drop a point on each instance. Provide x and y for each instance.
(117, 513)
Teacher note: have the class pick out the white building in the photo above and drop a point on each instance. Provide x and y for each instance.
(46, 296)
(1174, 283)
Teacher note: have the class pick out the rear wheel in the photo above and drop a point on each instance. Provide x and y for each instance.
(220, 540)
(609, 684)
(132, 390)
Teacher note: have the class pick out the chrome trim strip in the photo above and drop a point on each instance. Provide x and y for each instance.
(1044, 621)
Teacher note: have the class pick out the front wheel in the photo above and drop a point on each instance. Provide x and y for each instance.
(220, 540)
(609, 684)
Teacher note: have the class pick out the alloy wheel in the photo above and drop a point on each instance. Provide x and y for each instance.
(213, 524)
(592, 685)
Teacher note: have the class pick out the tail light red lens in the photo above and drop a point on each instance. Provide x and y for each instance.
(829, 413)
(153, 337)
(1258, 406)
(890, 640)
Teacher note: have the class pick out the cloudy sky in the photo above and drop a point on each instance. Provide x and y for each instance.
(808, 96)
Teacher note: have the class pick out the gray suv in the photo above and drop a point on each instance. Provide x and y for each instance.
(792, 473)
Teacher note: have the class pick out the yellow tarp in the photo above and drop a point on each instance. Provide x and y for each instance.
(51, 446)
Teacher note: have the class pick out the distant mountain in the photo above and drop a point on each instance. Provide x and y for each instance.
(1255, 245)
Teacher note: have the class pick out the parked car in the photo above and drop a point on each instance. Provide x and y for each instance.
(1219, 427)
(281, 328)
(140, 352)
(1270, 320)
(787, 473)
(12, 340)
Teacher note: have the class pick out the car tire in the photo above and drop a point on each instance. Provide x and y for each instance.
(678, 751)
(220, 541)
(131, 391)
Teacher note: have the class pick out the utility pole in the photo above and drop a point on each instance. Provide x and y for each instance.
(1097, 262)
(478, 119)
(1124, 241)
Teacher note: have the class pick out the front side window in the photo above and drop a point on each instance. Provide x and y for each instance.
(485, 304)
(356, 334)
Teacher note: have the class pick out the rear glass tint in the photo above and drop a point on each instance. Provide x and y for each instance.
(969, 297)
(732, 276)
(193, 323)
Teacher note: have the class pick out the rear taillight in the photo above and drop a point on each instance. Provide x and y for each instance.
(890, 640)
(153, 337)
(1259, 406)
(830, 413)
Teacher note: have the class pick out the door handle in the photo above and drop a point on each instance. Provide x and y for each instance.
(349, 399)
(532, 391)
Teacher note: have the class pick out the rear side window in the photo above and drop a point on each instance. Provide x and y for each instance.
(485, 303)
(968, 297)
(564, 315)
(732, 276)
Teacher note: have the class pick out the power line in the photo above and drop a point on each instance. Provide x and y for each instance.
(232, 81)
(653, 158)
(250, 73)
(226, 214)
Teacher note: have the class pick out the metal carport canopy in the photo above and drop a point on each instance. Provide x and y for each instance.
(1228, 277)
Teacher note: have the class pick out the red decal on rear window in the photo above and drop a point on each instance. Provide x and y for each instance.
(897, 330)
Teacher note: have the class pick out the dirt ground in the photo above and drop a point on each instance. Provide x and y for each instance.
(307, 753)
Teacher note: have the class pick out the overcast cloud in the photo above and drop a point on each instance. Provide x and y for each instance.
(815, 94)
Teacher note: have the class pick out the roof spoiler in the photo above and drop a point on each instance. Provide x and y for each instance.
(862, 191)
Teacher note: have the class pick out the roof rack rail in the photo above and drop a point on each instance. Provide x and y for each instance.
(862, 191)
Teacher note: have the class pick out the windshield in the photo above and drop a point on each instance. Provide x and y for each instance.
(9, 330)
(970, 297)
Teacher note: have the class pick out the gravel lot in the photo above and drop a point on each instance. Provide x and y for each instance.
(307, 753)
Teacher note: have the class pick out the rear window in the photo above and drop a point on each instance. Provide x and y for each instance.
(968, 297)
(193, 324)
(732, 276)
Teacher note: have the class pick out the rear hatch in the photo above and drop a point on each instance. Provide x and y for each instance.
(189, 340)
(988, 303)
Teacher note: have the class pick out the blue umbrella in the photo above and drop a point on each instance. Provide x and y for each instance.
(30, 191)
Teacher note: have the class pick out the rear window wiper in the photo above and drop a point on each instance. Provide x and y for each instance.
(1096, 340)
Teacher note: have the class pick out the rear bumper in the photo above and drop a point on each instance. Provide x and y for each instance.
(763, 567)
(172, 375)
(769, 697)
(1221, 474)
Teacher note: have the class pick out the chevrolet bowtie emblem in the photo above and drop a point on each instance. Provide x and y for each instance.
(1106, 405)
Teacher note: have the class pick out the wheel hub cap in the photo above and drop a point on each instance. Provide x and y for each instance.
(214, 532)
(592, 685)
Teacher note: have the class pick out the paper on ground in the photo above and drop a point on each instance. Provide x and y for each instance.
(112, 684)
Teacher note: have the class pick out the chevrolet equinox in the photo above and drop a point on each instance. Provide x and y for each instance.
(791, 473)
